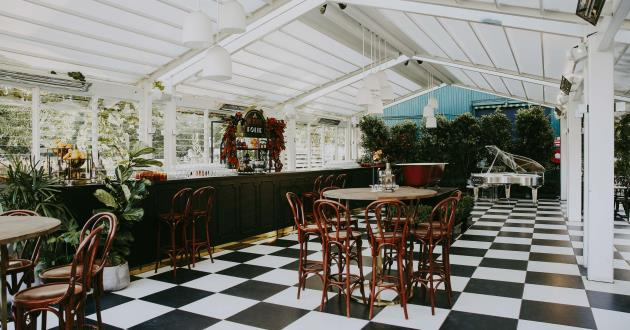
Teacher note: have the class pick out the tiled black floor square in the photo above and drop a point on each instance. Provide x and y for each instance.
(609, 301)
(245, 271)
(467, 251)
(495, 288)
(622, 274)
(441, 298)
(477, 238)
(522, 217)
(255, 290)
(462, 270)
(108, 300)
(382, 326)
(91, 324)
(550, 257)
(237, 246)
(623, 248)
(480, 227)
(567, 281)
(177, 319)
(457, 320)
(576, 238)
(519, 225)
(504, 263)
(177, 296)
(183, 275)
(551, 231)
(268, 316)
(283, 243)
(238, 256)
(511, 247)
(551, 242)
(289, 253)
(337, 305)
(515, 234)
(570, 315)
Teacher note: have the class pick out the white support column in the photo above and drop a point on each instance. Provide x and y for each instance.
(322, 145)
(35, 133)
(291, 145)
(309, 152)
(599, 162)
(348, 141)
(574, 162)
(145, 133)
(94, 119)
(564, 186)
(169, 132)
(206, 136)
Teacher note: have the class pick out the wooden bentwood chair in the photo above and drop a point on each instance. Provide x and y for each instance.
(25, 260)
(69, 297)
(436, 232)
(388, 236)
(201, 207)
(62, 274)
(341, 245)
(175, 220)
(305, 230)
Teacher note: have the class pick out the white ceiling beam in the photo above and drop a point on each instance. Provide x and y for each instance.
(618, 18)
(491, 71)
(346, 80)
(190, 64)
(508, 16)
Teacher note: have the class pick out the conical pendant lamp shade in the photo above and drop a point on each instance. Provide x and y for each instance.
(197, 30)
(382, 79)
(376, 107)
(232, 17)
(387, 92)
(431, 122)
(364, 96)
(371, 82)
(217, 65)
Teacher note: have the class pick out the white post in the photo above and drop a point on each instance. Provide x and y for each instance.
(94, 119)
(322, 145)
(308, 145)
(206, 136)
(563, 157)
(599, 162)
(35, 135)
(574, 162)
(348, 141)
(169, 132)
(145, 116)
(291, 145)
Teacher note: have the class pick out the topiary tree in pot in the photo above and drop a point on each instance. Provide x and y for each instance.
(534, 135)
(402, 142)
(374, 135)
(123, 196)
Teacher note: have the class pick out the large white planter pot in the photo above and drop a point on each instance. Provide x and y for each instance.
(116, 278)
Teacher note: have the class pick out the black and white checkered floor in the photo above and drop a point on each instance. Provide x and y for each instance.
(515, 268)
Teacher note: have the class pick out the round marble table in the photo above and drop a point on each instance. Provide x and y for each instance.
(366, 194)
(13, 229)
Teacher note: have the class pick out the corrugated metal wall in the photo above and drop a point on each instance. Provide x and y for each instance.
(452, 102)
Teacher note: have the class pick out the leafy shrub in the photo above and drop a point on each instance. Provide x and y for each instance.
(495, 129)
(622, 146)
(375, 133)
(534, 135)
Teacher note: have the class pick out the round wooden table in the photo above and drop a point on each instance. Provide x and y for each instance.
(366, 194)
(13, 229)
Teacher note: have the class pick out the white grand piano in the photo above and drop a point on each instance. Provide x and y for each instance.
(527, 172)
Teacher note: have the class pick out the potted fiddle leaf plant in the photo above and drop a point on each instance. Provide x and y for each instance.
(123, 195)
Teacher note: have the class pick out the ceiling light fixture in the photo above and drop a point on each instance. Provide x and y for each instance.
(217, 65)
(233, 17)
(322, 9)
(197, 30)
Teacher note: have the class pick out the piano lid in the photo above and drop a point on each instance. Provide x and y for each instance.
(517, 163)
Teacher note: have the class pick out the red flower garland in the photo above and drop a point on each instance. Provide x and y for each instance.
(275, 141)
(229, 140)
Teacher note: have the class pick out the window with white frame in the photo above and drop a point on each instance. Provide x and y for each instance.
(65, 119)
(189, 139)
(15, 122)
(157, 123)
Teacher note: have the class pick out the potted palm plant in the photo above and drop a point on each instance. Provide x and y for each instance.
(123, 196)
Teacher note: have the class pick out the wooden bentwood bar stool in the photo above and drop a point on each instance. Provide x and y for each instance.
(201, 207)
(341, 245)
(69, 297)
(436, 232)
(174, 219)
(390, 235)
(305, 231)
(62, 274)
(25, 259)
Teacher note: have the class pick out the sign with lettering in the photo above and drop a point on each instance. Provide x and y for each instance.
(254, 124)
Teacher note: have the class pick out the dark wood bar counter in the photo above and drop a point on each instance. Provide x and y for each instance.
(245, 205)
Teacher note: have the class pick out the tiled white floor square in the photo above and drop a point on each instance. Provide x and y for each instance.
(558, 295)
(317, 320)
(611, 320)
(131, 313)
(481, 222)
(214, 282)
(419, 317)
(309, 299)
(311, 246)
(270, 261)
(144, 287)
(500, 274)
(546, 226)
(518, 229)
(478, 232)
(489, 305)
(551, 236)
(532, 325)
(465, 260)
(261, 249)
(553, 267)
(513, 240)
(279, 276)
(577, 244)
(213, 267)
(552, 249)
(618, 287)
(472, 244)
(507, 254)
(220, 306)
(530, 222)
(227, 325)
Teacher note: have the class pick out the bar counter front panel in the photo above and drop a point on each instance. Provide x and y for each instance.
(244, 206)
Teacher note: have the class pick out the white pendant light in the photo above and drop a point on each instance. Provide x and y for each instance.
(232, 17)
(371, 82)
(428, 111)
(217, 65)
(376, 107)
(364, 96)
(382, 79)
(433, 102)
(197, 30)
(431, 122)
(387, 93)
